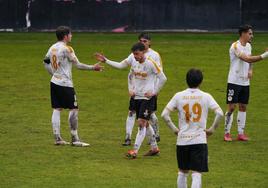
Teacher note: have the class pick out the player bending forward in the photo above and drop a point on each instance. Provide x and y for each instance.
(58, 62)
(192, 105)
(144, 70)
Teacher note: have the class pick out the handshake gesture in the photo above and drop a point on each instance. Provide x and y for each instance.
(100, 57)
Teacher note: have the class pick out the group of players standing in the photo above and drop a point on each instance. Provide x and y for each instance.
(145, 80)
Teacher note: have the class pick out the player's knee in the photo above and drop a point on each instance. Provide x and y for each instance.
(142, 122)
(131, 113)
(231, 108)
(242, 107)
(184, 171)
(154, 118)
(73, 117)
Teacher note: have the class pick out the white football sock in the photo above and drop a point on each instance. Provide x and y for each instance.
(151, 135)
(241, 121)
(182, 180)
(228, 122)
(130, 122)
(73, 123)
(154, 121)
(55, 120)
(139, 138)
(196, 180)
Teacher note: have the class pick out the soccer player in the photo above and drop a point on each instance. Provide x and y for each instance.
(192, 105)
(144, 70)
(239, 77)
(58, 62)
(146, 40)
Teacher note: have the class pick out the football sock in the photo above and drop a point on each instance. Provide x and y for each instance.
(182, 180)
(196, 180)
(139, 138)
(151, 134)
(228, 122)
(130, 122)
(241, 121)
(55, 120)
(155, 126)
(73, 123)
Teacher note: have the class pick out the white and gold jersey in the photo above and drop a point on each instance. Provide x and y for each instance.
(61, 57)
(143, 75)
(192, 106)
(238, 73)
(154, 56)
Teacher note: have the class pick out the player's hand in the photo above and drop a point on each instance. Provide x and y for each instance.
(98, 67)
(208, 132)
(131, 93)
(176, 132)
(250, 74)
(149, 94)
(100, 57)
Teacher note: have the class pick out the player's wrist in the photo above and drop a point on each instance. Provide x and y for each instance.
(264, 55)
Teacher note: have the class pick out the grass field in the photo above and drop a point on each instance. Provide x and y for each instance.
(28, 157)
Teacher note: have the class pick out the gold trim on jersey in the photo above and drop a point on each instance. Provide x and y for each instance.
(155, 64)
(71, 50)
(161, 63)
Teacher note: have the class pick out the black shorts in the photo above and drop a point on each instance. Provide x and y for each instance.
(237, 94)
(193, 157)
(131, 104)
(143, 108)
(154, 103)
(62, 97)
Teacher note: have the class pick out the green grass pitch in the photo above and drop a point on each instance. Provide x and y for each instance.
(28, 157)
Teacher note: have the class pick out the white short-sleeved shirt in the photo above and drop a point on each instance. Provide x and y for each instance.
(143, 75)
(61, 57)
(192, 106)
(238, 73)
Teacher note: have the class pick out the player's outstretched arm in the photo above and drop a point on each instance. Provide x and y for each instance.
(119, 65)
(251, 59)
(166, 116)
(72, 57)
(216, 122)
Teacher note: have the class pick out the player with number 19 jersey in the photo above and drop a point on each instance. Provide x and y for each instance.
(192, 105)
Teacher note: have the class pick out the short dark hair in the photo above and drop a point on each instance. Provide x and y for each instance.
(194, 78)
(62, 31)
(145, 36)
(244, 29)
(138, 47)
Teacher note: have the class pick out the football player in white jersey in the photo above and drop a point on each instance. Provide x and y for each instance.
(239, 77)
(144, 70)
(146, 40)
(192, 105)
(58, 62)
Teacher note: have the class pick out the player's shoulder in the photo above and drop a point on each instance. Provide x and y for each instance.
(235, 45)
(206, 95)
(154, 53)
(248, 45)
(130, 59)
(181, 93)
(153, 63)
(69, 48)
